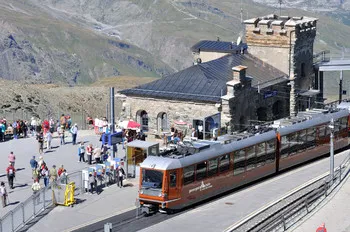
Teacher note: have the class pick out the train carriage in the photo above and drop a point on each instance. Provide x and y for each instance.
(196, 171)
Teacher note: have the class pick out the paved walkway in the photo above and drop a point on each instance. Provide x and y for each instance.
(24, 149)
(335, 213)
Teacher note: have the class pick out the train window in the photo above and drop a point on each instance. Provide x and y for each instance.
(284, 147)
(201, 171)
(302, 139)
(213, 167)
(261, 154)
(293, 143)
(270, 151)
(322, 131)
(239, 162)
(328, 131)
(172, 179)
(311, 137)
(251, 158)
(188, 175)
(344, 123)
(224, 163)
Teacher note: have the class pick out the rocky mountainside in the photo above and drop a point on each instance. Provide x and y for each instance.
(313, 5)
(37, 47)
(79, 41)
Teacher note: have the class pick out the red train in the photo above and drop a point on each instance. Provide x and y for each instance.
(195, 171)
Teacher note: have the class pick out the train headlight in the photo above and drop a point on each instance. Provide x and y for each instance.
(141, 192)
(160, 194)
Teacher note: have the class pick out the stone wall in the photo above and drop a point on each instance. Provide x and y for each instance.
(209, 56)
(175, 110)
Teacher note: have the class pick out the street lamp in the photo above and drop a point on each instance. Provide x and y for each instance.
(331, 172)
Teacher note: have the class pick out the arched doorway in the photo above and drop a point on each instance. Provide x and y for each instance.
(142, 118)
(262, 114)
(277, 109)
(162, 121)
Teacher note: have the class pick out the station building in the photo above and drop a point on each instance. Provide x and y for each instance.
(234, 85)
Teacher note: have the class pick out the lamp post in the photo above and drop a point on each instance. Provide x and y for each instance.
(331, 171)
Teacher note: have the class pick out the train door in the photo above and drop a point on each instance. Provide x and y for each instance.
(174, 184)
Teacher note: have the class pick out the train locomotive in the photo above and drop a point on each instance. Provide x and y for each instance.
(198, 170)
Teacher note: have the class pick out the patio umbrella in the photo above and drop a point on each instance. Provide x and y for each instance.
(129, 124)
(180, 122)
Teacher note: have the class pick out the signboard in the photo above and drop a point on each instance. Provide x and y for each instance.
(115, 138)
(269, 94)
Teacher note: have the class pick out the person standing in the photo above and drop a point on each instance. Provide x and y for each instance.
(2, 131)
(48, 139)
(97, 154)
(33, 125)
(45, 175)
(81, 152)
(92, 181)
(3, 194)
(74, 131)
(12, 158)
(10, 174)
(120, 175)
(60, 132)
(89, 151)
(40, 138)
(53, 174)
(33, 163)
(63, 122)
(36, 188)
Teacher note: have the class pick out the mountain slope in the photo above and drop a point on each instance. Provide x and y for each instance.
(37, 47)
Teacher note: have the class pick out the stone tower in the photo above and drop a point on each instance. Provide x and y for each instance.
(285, 43)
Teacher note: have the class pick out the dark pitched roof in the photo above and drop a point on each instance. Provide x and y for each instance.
(217, 46)
(206, 82)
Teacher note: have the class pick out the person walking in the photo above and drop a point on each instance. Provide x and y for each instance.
(81, 152)
(36, 188)
(10, 171)
(40, 138)
(3, 194)
(15, 130)
(120, 176)
(33, 163)
(53, 174)
(48, 139)
(74, 131)
(12, 158)
(2, 131)
(89, 152)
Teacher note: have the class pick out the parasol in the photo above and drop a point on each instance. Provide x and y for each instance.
(129, 124)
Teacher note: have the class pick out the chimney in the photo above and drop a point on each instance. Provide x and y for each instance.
(239, 73)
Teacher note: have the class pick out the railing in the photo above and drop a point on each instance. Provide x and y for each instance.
(285, 212)
(28, 210)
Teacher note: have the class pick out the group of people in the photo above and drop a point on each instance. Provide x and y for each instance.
(16, 128)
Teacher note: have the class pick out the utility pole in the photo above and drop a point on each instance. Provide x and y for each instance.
(331, 171)
(341, 87)
(280, 2)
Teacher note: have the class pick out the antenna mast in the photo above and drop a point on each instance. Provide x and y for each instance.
(280, 2)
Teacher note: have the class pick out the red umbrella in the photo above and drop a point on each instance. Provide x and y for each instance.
(180, 122)
(130, 125)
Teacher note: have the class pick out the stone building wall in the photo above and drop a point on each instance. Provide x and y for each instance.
(208, 56)
(175, 110)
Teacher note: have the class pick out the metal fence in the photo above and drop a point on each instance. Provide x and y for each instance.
(284, 213)
(28, 210)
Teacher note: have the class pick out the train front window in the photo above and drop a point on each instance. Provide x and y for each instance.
(152, 179)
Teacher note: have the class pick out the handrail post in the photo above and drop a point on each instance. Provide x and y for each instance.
(284, 223)
(23, 215)
(306, 205)
(13, 226)
(44, 193)
(33, 200)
